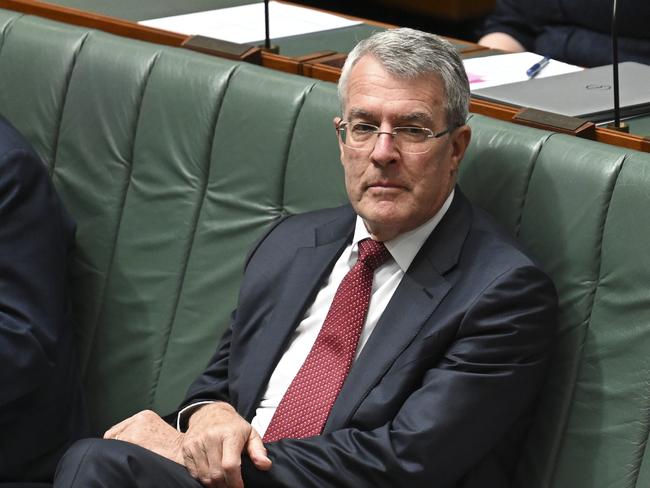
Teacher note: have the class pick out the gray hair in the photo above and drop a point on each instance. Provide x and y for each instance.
(409, 53)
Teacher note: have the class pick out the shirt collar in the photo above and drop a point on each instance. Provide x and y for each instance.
(405, 246)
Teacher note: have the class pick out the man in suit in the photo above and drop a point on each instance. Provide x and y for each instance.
(399, 340)
(41, 410)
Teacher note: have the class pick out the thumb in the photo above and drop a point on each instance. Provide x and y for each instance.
(257, 452)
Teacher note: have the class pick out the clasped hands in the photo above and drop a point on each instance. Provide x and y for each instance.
(211, 449)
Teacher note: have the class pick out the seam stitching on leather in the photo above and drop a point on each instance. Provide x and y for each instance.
(57, 132)
(8, 27)
(120, 212)
(529, 178)
(287, 152)
(190, 246)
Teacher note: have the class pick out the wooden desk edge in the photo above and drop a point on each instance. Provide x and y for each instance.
(616, 138)
(281, 63)
(96, 21)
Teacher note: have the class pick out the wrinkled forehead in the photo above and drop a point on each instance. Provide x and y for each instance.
(370, 78)
(399, 118)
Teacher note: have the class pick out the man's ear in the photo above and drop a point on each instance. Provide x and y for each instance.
(460, 138)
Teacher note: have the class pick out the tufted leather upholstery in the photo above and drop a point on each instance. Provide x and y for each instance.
(173, 163)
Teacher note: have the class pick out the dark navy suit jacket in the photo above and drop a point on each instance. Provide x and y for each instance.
(40, 396)
(440, 394)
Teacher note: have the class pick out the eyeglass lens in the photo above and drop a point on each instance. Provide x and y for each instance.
(407, 139)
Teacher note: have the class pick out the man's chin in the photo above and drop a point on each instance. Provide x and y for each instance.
(383, 211)
(382, 218)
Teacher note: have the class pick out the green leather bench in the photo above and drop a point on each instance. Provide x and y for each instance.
(173, 163)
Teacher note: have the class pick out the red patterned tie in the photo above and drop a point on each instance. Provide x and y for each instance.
(305, 406)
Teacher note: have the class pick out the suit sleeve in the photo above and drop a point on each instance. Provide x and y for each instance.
(466, 402)
(35, 238)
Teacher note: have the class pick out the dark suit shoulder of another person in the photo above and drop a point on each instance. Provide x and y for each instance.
(41, 407)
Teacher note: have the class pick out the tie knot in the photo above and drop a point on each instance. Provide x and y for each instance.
(372, 253)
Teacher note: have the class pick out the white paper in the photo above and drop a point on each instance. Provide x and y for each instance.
(507, 68)
(246, 23)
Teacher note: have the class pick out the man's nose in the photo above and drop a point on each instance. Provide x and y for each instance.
(385, 150)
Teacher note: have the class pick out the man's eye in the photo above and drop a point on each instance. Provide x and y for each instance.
(412, 130)
(412, 134)
(363, 128)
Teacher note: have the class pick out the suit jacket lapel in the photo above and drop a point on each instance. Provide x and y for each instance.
(306, 274)
(415, 300)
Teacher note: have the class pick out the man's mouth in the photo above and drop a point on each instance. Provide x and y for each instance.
(384, 185)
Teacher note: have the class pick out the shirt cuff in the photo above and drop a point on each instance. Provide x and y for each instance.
(184, 415)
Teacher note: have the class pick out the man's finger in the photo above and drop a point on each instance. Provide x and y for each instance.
(257, 452)
(114, 431)
(118, 428)
(189, 459)
(231, 461)
(197, 460)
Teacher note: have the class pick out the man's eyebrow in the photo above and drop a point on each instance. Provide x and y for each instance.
(359, 113)
(421, 117)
